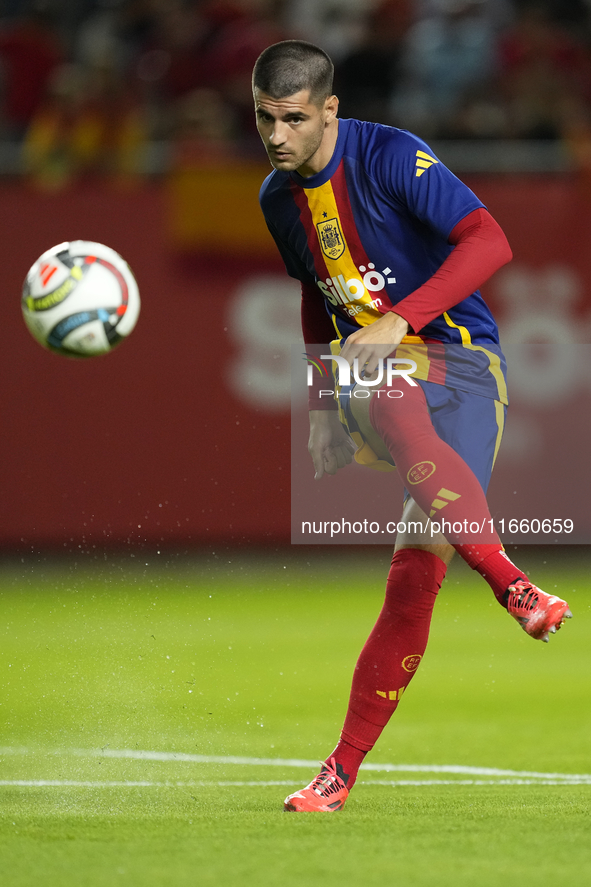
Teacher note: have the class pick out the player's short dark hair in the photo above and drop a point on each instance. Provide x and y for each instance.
(288, 67)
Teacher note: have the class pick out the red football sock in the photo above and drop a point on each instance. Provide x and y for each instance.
(493, 565)
(437, 477)
(443, 485)
(391, 654)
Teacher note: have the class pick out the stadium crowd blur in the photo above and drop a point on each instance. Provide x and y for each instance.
(86, 85)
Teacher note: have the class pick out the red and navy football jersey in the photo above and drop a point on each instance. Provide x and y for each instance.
(371, 228)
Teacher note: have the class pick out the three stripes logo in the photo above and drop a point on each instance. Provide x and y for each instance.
(443, 498)
(55, 296)
(392, 695)
(46, 272)
(424, 161)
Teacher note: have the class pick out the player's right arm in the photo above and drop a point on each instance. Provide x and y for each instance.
(329, 445)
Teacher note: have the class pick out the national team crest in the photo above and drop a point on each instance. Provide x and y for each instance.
(331, 238)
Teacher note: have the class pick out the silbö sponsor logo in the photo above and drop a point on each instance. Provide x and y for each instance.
(341, 292)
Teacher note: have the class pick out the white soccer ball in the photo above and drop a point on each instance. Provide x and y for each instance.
(80, 299)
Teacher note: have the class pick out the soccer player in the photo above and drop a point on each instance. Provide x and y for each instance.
(390, 248)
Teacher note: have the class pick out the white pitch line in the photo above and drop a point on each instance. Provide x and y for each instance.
(72, 783)
(563, 781)
(60, 783)
(184, 757)
(86, 783)
(296, 762)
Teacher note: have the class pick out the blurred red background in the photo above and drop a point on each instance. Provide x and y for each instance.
(181, 436)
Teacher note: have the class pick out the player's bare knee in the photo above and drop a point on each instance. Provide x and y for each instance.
(417, 531)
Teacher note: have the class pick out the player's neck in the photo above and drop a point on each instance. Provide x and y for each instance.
(323, 155)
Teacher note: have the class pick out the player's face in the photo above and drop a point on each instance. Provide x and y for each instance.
(297, 133)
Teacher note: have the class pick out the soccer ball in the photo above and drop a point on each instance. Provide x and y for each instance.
(80, 299)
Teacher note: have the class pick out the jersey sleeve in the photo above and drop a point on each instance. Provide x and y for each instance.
(481, 248)
(410, 172)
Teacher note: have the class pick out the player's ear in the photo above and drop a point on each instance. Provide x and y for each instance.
(331, 107)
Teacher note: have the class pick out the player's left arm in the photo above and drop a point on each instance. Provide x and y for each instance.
(481, 248)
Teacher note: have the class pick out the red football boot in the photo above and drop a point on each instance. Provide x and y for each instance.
(538, 613)
(325, 794)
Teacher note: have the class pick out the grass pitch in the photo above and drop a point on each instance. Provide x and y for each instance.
(146, 708)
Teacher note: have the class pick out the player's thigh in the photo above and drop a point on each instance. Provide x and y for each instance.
(416, 533)
(472, 425)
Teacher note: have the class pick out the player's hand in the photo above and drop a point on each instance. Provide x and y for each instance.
(375, 342)
(329, 444)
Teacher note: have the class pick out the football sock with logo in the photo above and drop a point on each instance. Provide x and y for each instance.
(438, 479)
(443, 485)
(390, 656)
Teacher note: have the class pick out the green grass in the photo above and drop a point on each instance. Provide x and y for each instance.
(242, 657)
